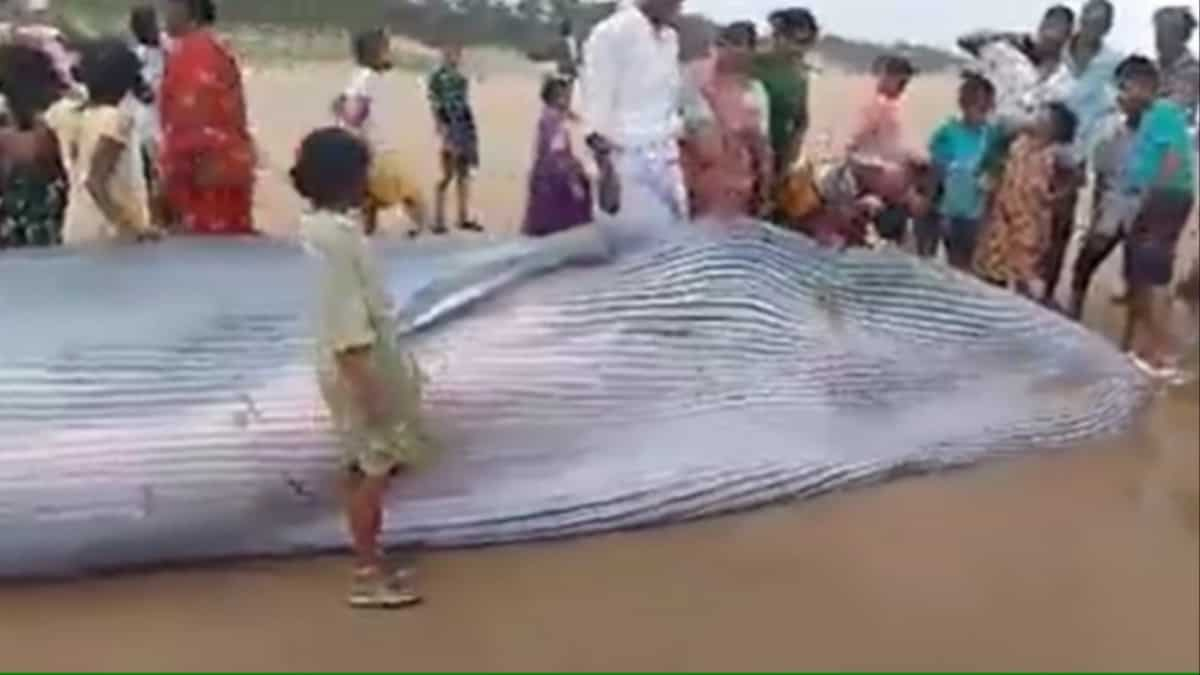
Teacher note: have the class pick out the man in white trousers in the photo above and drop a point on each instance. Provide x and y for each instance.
(631, 88)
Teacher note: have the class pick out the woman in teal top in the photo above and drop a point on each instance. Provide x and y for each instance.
(784, 74)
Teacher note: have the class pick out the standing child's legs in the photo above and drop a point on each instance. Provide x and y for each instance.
(1188, 292)
(371, 217)
(463, 183)
(1149, 268)
(449, 162)
(1066, 181)
(417, 212)
(961, 238)
(1149, 308)
(375, 587)
(364, 515)
(927, 230)
(1096, 249)
(463, 178)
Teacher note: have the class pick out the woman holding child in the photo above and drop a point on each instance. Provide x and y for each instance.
(726, 153)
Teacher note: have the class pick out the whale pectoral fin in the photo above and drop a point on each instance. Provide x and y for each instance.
(467, 282)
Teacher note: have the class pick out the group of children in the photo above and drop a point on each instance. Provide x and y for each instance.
(997, 194)
(990, 188)
(80, 150)
(355, 109)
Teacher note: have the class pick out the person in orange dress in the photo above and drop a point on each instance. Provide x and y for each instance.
(208, 159)
(727, 157)
(1017, 232)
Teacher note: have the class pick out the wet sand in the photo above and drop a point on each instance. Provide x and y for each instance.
(1086, 559)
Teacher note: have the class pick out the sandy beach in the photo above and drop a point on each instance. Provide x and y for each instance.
(1086, 559)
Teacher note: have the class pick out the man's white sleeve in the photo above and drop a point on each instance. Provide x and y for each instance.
(601, 68)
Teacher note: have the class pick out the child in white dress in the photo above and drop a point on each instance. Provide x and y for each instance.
(356, 110)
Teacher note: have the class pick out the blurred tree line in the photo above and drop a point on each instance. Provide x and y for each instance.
(531, 27)
(526, 25)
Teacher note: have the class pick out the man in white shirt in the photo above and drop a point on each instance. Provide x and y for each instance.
(632, 87)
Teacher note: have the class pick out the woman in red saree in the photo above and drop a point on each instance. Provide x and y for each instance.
(208, 157)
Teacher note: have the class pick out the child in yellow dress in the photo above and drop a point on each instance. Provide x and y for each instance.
(355, 110)
(371, 386)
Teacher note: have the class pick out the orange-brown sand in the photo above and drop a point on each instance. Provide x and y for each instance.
(1082, 560)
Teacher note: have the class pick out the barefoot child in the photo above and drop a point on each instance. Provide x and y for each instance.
(450, 102)
(1017, 232)
(355, 110)
(1159, 186)
(560, 194)
(957, 151)
(371, 386)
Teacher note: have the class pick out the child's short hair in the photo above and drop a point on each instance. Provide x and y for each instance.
(793, 20)
(29, 82)
(553, 87)
(1181, 17)
(1138, 67)
(975, 88)
(367, 44)
(109, 70)
(143, 23)
(1065, 122)
(894, 64)
(1059, 13)
(329, 164)
(739, 34)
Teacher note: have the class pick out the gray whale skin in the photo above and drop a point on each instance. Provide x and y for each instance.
(157, 404)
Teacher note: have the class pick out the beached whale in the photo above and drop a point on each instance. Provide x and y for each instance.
(158, 403)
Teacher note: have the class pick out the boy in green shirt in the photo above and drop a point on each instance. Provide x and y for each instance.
(784, 74)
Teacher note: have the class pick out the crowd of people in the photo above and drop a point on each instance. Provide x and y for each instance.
(126, 140)
(1041, 115)
(123, 139)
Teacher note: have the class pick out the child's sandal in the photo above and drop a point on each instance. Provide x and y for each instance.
(373, 589)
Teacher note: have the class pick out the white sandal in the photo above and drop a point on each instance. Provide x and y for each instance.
(1168, 375)
(372, 589)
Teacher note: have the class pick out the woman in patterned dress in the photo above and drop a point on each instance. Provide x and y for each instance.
(1017, 233)
(727, 158)
(33, 184)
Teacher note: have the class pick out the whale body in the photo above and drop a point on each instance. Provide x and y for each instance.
(158, 404)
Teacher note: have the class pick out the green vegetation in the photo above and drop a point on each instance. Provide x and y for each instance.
(316, 28)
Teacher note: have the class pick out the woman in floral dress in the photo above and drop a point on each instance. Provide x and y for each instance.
(1017, 232)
